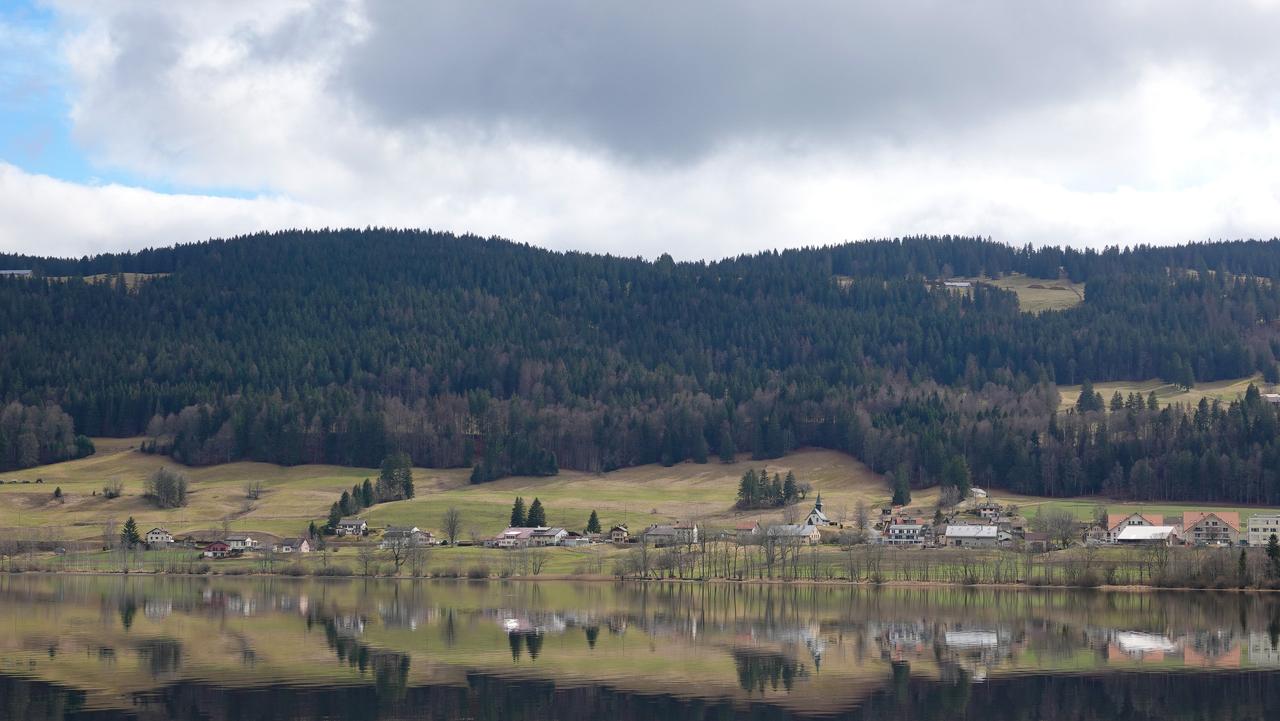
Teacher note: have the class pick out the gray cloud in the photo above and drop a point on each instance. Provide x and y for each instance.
(677, 80)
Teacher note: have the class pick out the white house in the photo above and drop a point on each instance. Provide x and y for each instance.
(401, 536)
(547, 536)
(242, 542)
(292, 545)
(1262, 526)
(619, 534)
(1147, 535)
(158, 536)
(904, 534)
(972, 536)
(1116, 524)
(678, 534)
(352, 527)
(514, 537)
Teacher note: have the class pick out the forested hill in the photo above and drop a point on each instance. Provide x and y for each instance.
(342, 346)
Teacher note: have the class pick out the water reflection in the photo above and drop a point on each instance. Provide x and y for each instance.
(163, 647)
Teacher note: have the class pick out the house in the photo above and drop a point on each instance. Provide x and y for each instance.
(292, 545)
(1141, 535)
(352, 527)
(1116, 524)
(989, 510)
(217, 549)
(1035, 542)
(1262, 526)
(800, 533)
(158, 536)
(574, 539)
(543, 536)
(675, 535)
(241, 542)
(905, 534)
(957, 284)
(816, 517)
(746, 529)
(514, 537)
(402, 536)
(619, 534)
(1213, 528)
(1271, 398)
(977, 493)
(972, 536)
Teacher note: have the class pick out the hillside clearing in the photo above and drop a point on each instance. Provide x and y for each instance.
(1166, 393)
(1036, 295)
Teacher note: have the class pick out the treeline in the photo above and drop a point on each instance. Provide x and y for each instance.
(36, 435)
(348, 346)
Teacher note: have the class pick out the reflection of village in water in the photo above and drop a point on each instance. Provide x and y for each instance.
(773, 644)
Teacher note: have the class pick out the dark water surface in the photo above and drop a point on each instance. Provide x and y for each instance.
(274, 648)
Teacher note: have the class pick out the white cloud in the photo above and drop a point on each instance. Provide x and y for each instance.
(1173, 146)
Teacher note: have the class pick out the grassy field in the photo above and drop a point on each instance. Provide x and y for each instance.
(1167, 393)
(1046, 295)
(294, 496)
(131, 280)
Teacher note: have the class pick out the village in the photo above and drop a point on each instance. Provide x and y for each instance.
(980, 522)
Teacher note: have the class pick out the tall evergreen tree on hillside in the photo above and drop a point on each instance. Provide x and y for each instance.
(518, 517)
(129, 535)
(537, 515)
(593, 523)
(367, 497)
(335, 516)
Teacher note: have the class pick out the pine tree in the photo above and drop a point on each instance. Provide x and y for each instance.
(367, 499)
(901, 491)
(593, 523)
(357, 497)
(518, 517)
(129, 533)
(335, 516)
(727, 450)
(747, 489)
(790, 492)
(344, 504)
(537, 516)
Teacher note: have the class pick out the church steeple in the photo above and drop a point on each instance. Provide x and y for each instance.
(818, 504)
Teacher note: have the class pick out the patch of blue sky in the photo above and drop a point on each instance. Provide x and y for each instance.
(35, 109)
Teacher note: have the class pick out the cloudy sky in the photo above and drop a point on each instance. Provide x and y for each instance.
(702, 129)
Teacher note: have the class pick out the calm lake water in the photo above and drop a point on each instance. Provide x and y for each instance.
(273, 648)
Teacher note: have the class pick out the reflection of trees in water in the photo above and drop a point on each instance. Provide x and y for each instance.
(592, 633)
(390, 668)
(532, 642)
(161, 656)
(756, 671)
(37, 700)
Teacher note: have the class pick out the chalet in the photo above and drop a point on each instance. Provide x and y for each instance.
(747, 529)
(292, 545)
(905, 534)
(676, 535)
(1144, 535)
(1115, 524)
(401, 536)
(242, 542)
(800, 533)
(619, 534)
(816, 516)
(972, 536)
(514, 537)
(1214, 528)
(158, 536)
(547, 536)
(352, 527)
(1262, 526)
(989, 510)
(217, 549)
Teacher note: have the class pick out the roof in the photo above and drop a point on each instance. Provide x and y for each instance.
(290, 542)
(617, 528)
(1146, 533)
(906, 526)
(791, 529)
(973, 531)
(352, 522)
(746, 526)
(157, 530)
(217, 543)
(1113, 521)
(1231, 518)
(1035, 536)
(238, 536)
(547, 531)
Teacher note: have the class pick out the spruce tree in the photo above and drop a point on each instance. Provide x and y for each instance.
(367, 499)
(335, 515)
(901, 491)
(593, 523)
(1273, 556)
(344, 504)
(129, 533)
(537, 515)
(518, 517)
(790, 492)
(727, 450)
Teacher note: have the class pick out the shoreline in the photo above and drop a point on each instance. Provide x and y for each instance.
(605, 578)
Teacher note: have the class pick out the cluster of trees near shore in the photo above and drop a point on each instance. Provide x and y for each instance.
(347, 346)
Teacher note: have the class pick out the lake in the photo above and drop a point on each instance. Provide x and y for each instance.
(111, 647)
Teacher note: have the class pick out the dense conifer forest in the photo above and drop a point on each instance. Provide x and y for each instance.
(347, 346)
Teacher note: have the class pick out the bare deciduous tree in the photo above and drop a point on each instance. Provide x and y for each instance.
(451, 524)
(253, 490)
